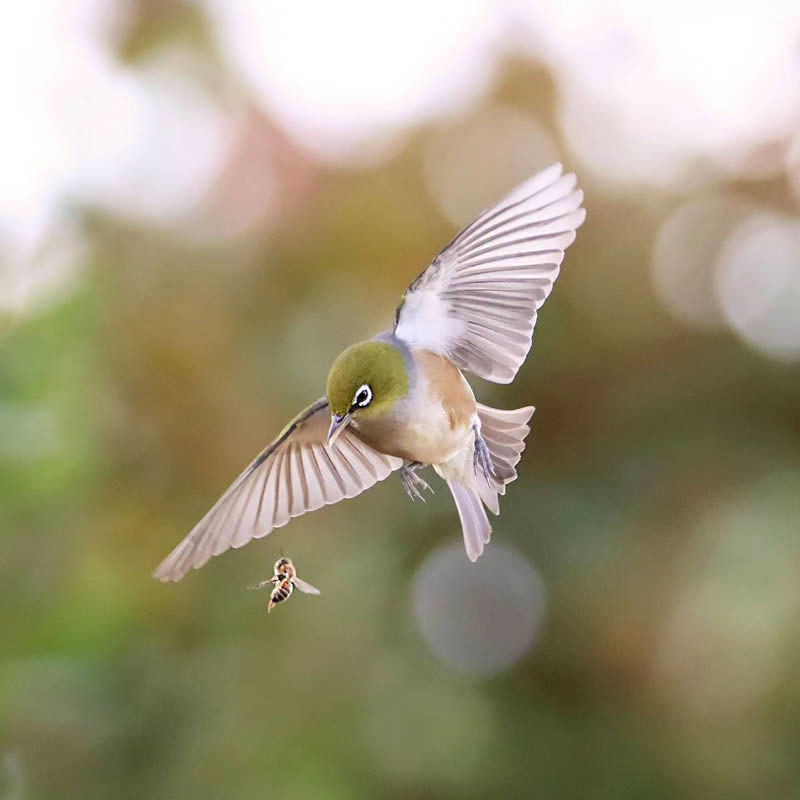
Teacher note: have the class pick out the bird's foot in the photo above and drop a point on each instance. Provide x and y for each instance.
(483, 458)
(412, 483)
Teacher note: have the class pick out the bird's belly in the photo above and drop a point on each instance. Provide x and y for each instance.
(427, 437)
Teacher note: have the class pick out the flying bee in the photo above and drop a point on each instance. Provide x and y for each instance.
(284, 581)
(282, 591)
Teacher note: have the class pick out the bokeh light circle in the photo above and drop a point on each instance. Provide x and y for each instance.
(735, 597)
(471, 165)
(758, 284)
(644, 99)
(480, 618)
(684, 257)
(364, 71)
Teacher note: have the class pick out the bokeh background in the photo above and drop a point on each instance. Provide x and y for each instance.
(201, 203)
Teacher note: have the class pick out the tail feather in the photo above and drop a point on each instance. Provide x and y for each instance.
(504, 433)
(488, 492)
(475, 524)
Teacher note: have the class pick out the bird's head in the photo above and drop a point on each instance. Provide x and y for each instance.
(365, 383)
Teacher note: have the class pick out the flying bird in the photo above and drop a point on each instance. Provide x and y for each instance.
(400, 401)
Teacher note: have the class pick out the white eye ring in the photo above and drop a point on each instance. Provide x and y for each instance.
(363, 396)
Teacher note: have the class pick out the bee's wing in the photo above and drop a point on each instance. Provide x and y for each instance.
(306, 587)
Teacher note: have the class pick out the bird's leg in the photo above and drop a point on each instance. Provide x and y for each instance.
(483, 458)
(412, 483)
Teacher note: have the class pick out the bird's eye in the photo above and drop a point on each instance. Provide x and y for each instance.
(363, 397)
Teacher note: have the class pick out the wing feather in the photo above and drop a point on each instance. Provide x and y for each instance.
(477, 302)
(316, 491)
(297, 473)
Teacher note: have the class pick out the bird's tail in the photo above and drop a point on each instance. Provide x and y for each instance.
(504, 433)
(474, 523)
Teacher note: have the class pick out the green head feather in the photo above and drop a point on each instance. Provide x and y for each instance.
(378, 365)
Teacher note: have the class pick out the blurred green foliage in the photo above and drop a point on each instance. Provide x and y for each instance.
(658, 499)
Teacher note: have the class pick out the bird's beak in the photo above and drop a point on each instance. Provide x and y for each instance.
(338, 423)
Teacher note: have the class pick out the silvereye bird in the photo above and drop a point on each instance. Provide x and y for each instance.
(400, 400)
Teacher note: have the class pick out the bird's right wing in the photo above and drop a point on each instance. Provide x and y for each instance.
(296, 473)
(476, 304)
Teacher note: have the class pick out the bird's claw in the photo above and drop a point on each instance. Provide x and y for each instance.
(413, 484)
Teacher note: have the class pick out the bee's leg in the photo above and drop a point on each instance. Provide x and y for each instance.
(412, 483)
(483, 458)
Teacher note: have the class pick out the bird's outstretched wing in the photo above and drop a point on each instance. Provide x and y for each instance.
(296, 473)
(477, 302)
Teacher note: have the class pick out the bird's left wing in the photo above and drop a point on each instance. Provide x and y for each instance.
(296, 473)
(477, 302)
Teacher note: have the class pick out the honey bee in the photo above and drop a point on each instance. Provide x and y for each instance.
(284, 581)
